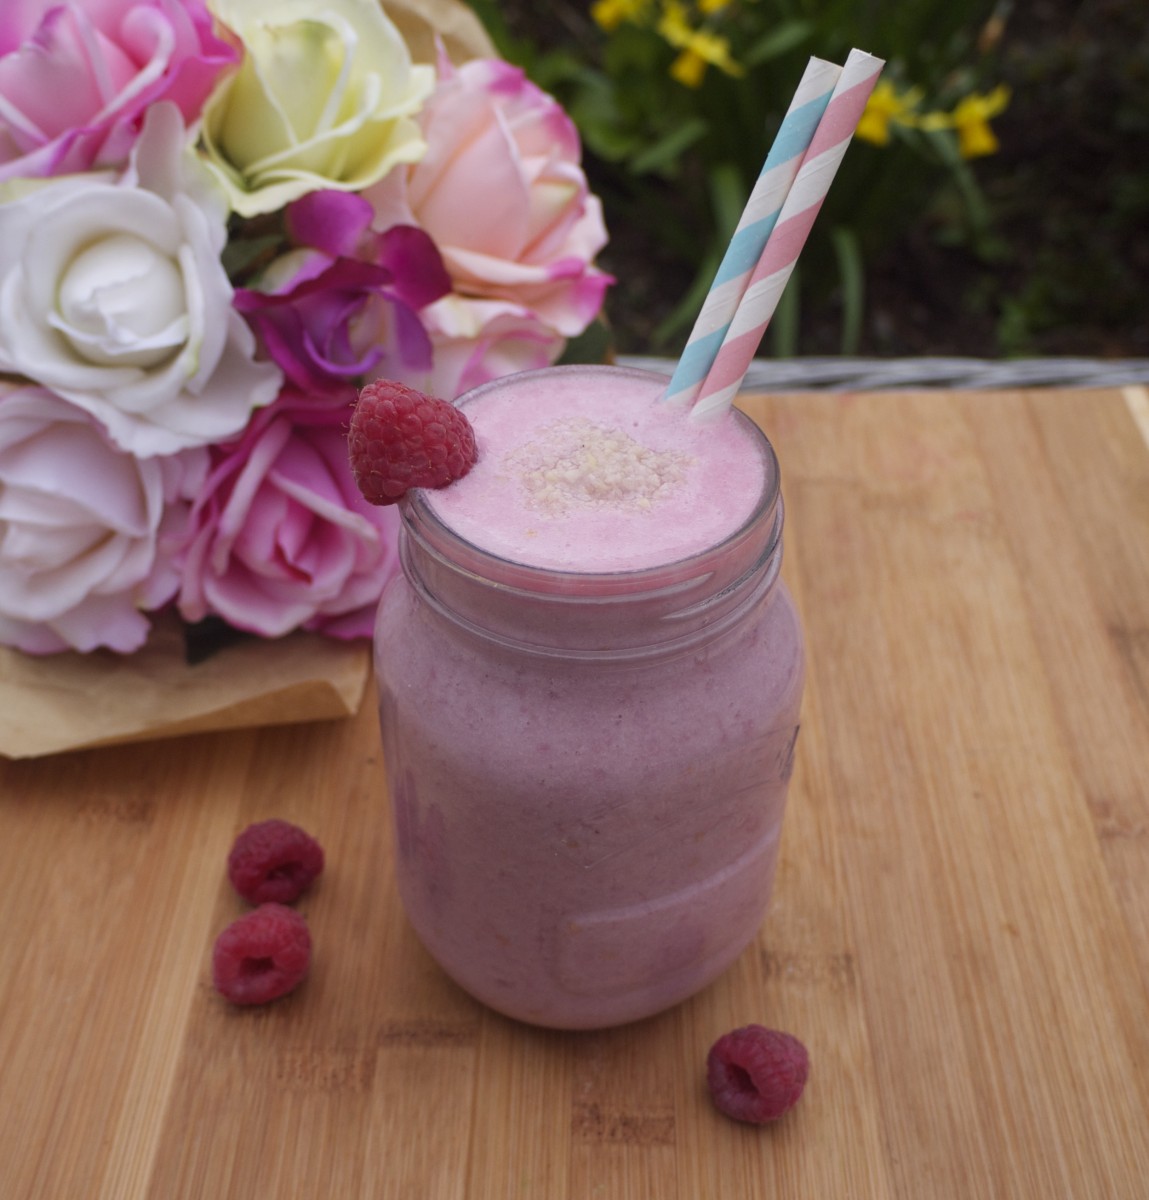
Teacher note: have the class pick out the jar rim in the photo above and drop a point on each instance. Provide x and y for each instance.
(423, 523)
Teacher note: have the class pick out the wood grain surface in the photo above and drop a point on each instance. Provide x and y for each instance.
(960, 929)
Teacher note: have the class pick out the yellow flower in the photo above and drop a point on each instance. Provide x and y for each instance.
(699, 47)
(673, 24)
(610, 14)
(971, 119)
(885, 107)
(688, 68)
(708, 7)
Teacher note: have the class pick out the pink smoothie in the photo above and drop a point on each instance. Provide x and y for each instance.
(588, 772)
(586, 471)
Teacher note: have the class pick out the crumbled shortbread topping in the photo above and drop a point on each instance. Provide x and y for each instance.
(576, 463)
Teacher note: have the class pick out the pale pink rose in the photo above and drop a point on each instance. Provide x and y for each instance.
(281, 537)
(502, 192)
(88, 533)
(76, 77)
(475, 341)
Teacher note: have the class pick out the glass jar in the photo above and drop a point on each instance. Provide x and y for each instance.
(588, 772)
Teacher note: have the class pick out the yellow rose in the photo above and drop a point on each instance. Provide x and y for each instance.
(324, 98)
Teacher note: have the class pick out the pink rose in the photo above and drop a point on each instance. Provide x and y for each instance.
(76, 77)
(475, 341)
(502, 193)
(281, 537)
(88, 533)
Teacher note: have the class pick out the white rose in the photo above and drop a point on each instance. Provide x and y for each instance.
(324, 98)
(87, 531)
(112, 294)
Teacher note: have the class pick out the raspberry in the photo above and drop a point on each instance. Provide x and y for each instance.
(274, 860)
(756, 1074)
(401, 439)
(262, 956)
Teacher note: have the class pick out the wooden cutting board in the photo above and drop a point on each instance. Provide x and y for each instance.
(960, 931)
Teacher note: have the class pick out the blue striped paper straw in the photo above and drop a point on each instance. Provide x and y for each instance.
(799, 210)
(754, 228)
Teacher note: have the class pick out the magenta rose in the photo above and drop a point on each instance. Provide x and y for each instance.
(76, 77)
(342, 305)
(281, 537)
(502, 192)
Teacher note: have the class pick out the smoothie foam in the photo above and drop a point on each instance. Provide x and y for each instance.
(585, 471)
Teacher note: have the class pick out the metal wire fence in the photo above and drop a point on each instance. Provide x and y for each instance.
(877, 374)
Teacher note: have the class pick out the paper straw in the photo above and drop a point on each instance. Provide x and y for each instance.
(754, 227)
(801, 206)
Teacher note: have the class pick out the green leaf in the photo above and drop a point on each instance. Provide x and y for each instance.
(687, 309)
(785, 322)
(243, 259)
(666, 151)
(977, 211)
(777, 42)
(491, 18)
(608, 143)
(728, 195)
(851, 274)
(591, 346)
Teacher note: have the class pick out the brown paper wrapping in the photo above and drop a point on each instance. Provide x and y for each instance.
(72, 701)
(420, 20)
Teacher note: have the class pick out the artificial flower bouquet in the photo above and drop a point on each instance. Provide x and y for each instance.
(218, 218)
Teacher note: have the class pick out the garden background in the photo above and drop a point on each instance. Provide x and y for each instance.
(999, 207)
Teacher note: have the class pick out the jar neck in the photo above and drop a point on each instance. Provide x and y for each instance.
(653, 611)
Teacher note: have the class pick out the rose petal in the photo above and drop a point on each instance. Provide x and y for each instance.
(85, 528)
(76, 79)
(159, 377)
(282, 537)
(329, 221)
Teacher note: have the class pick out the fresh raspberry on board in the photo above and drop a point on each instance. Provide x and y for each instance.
(274, 860)
(402, 439)
(756, 1074)
(262, 956)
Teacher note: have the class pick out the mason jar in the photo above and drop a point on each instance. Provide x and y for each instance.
(588, 771)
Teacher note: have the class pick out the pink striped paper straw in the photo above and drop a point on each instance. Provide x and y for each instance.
(754, 227)
(801, 206)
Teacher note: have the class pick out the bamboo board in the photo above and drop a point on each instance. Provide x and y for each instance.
(960, 931)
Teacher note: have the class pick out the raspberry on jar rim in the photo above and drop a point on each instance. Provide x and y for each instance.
(401, 438)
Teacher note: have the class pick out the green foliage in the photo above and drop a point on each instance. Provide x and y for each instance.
(675, 163)
(1070, 192)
